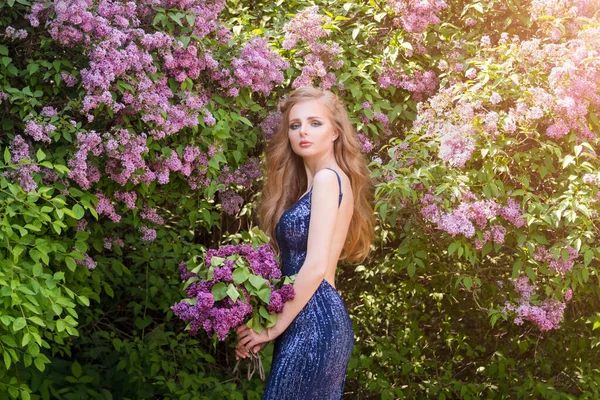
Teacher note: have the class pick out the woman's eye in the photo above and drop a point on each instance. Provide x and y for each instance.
(294, 126)
(316, 123)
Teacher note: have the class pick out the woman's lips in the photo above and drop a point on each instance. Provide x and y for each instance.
(305, 144)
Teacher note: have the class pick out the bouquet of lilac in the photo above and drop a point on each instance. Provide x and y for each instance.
(231, 286)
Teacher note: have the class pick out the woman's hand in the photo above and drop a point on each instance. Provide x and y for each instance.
(248, 339)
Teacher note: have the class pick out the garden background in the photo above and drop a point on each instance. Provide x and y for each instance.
(132, 138)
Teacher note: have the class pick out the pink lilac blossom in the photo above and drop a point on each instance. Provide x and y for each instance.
(456, 145)
(258, 67)
(512, 212)
(105, 207)
(21, 150)
(568, 294)
(557, 264)
(366, 145)
(485, 41)
(81, 225)
(307, 27)
(36, 131)
(88, 262)
(546, 317)
(151, 215)
(420, 84)
(416, 16)
(270, 125)
(230, 201)
(470, 22)
(128, 198)
(148, 234)
(82, 171)
(523, 287)
(49, 111)
(495, 98)
(14, 34)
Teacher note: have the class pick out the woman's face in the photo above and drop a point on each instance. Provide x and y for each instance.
(311, 131)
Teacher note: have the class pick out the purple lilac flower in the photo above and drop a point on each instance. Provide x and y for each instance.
(151, 215)
(258, 67)
(88, 262)
(21, 150)
(230, 201)
(148, 234)
(49, 111)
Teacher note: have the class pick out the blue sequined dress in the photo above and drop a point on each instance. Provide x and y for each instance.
(311, 356)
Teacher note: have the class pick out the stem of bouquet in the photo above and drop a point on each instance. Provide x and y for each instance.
(254, 365)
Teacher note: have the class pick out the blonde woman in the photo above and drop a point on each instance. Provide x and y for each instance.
(316, 207)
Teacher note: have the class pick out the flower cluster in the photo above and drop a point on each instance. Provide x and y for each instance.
(39, 132)
(88, 262)
(307, 27)
(21, 150)
(546, 316)
(378, 116)
(421, 85)
(471, 215)
(14, 34)
(416, 15)
(558, 264)
(235, 283)
(230, 201)
(258, 67)
(270, 125)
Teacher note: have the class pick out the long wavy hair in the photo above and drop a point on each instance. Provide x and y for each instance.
(286, 176)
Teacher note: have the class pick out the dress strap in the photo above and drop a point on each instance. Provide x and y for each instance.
(339, 183)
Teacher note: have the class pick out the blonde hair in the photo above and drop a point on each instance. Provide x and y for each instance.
(286, 177)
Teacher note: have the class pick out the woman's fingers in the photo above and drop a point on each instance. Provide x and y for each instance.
(241, 354)
(241, 328)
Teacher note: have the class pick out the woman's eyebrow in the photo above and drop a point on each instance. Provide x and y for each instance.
(298, 119)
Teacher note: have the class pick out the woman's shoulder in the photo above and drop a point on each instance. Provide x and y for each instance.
(327, 177)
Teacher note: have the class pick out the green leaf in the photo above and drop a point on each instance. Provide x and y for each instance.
(468, 282)
(71, 264)
(411, 269)
(264, 294)
(219, 291)
(256, 281)
(26, 339)
(216, 261)
(240, 275)
(263, 312)
(588, 257)
(19, 324)
(7, 155)
(7, 360)
(37, 320)
(9, 341)
(78, 211)
(39, 364)
(84, 300)
(232, 292)
(76, 369)
(40, 155)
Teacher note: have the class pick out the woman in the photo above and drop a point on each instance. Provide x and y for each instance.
(315, 150)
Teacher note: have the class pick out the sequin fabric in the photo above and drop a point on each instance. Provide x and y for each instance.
(310, 358)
